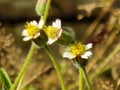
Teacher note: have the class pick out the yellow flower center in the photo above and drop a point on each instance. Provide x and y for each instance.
(51, 31)
(77, 49)
(31, 29)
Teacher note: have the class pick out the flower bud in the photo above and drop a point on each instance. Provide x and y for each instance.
(40, 7)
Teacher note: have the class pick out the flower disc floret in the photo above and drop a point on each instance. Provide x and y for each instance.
(77, 49)
(32, 29)
(52, 32)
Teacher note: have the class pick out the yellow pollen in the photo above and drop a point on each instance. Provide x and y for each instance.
(51, 31)
(77, 49)
(31, 29)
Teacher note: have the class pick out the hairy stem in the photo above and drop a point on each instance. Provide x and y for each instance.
(57, 67)
(24, 68)
(86, 79)
(80, 79)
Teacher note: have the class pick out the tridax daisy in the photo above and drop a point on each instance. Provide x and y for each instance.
(54, 31)
(78, 50)
(32, 30)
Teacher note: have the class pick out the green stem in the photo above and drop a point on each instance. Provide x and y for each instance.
(44, 18)
(21, 74)
(24, 68)
(46, 12)
(20, 82)
(86, 78)
(56, 67)
(80, 79)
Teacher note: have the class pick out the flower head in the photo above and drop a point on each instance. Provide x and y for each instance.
(78, 50)
(32, 30)
(54, 31)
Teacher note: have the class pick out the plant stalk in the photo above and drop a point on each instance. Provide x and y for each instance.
(86, 78)
(24, 68)
(57, 67)
(80, 79)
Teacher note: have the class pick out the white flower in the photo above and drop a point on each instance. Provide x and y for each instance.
(54, 31)
(78, 49)
(57, 23)
(32, 30)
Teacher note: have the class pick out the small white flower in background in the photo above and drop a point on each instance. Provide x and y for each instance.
(32, 30)
(54, 31)
(78, 50)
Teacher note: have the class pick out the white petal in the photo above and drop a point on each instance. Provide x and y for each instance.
(69, 55)
(26, 38)
(50, 41)
(88, 46)
(24, 33)
(33, 23)
(86, 55)
(41, 22)
(57, 23)
(60, 32)
(38, 34)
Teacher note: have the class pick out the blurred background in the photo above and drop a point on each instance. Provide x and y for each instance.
(95, 21)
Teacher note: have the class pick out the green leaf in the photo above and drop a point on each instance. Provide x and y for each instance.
(4, 79)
